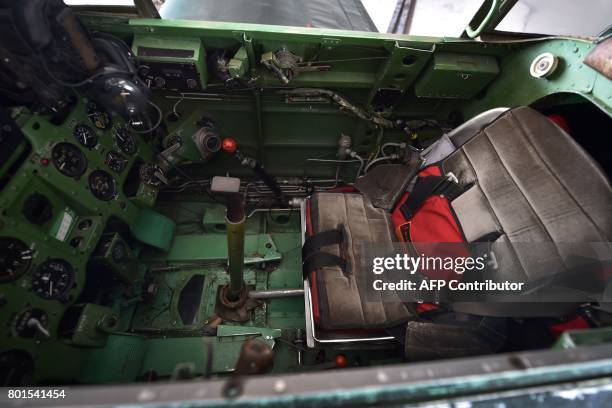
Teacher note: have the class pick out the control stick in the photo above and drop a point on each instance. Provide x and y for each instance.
(235, 217)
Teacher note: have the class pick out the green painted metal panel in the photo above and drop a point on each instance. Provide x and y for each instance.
(154, 229)
(120, 361)
(572, 76)
(585, 337)
(213, 247)
(161, 49)
(283, 134)
(459, 76)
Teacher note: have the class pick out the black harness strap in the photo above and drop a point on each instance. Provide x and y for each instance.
(320, 259)
(312, 256)
(424, 188)
(315, 242)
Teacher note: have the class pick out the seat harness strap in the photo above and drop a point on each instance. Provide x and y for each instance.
(315, 242)
(312, 255)
(426, 187)
(320, 259)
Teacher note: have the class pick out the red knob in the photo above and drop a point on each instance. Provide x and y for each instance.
(229, 145)
(340, 361)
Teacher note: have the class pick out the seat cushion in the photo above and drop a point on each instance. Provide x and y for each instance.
(339, 296)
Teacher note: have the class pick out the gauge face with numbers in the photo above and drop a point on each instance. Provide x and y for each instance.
(15, 258)
(98, 116)
(68, 159)
(115, 161)
(125, 140)
(85, 135)
(102, 185)
(53, 279)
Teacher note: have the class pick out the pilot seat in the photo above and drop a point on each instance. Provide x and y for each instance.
(510, 175)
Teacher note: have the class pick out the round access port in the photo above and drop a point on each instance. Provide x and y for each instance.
(37, 209)
(85, 224)
(108, 322)
(76, 242)
(213, 143)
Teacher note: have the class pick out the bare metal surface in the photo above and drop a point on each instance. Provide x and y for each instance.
(276, 293)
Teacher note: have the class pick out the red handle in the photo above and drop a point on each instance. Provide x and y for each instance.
(229, 145)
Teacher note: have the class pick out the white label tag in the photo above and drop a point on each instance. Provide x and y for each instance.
(64, 227)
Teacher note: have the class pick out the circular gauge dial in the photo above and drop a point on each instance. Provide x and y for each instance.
(102, 185)
(28, 323)
(151, 174)
(53, 279)
(98, 116)
(125, 140)
(15, 258)
(85, 135)
(68, 159)
(115, 161)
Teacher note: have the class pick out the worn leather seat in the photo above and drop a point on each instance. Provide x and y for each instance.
(339, 296)
(525, 180)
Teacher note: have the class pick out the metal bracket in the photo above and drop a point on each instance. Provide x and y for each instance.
(401, 68)
(247, 42)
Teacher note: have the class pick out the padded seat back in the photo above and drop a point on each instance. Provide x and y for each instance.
(530, 182)
(524, 181)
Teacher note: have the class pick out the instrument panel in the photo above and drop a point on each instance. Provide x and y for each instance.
(55, 206)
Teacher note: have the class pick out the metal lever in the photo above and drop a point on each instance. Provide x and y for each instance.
(256, 357)
(34, 323)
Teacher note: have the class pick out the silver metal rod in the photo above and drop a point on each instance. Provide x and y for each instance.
(271, 210)
(275, 293)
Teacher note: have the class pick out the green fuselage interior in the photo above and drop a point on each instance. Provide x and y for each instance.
(161, 306)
